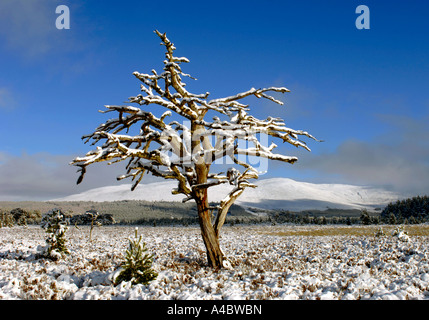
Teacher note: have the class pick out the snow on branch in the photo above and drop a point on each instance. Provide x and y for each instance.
(185, 151)
(259, 93)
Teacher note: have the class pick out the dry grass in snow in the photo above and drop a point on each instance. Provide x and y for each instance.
(311, 262)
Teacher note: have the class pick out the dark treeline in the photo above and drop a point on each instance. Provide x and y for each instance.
(314, 217)
(409, 211)
(412, 210)
(19, 216)
(117, 212)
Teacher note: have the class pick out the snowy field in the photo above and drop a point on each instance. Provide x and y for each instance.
(265, 265)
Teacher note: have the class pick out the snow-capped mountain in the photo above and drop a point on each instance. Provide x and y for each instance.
(276, 193)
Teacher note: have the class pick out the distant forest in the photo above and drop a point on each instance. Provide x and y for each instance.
(160, 213)
(413, 210)
(123, 212)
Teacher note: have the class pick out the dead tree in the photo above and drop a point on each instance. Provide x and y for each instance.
(185, 150)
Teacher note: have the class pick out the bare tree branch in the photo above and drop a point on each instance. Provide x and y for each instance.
(185, 151)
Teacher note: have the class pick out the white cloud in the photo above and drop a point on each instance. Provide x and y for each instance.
(45, 176)
(398, 159)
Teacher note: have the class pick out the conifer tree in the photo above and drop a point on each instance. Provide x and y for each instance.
(55, 225)
(137, 266)
(364, 217)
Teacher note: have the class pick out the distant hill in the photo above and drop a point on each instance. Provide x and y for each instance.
(273, 194)
(273, 200)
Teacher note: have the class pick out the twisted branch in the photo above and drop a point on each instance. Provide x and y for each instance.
(179, 150)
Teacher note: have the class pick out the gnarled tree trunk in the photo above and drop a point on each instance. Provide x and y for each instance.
(210, 237)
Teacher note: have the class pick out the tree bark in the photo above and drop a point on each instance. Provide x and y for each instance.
(210, 237)
(223, 210)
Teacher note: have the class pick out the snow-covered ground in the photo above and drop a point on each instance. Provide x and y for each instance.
(264, 266)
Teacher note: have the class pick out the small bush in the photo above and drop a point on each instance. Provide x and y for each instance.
(55, 224)
(20, 216)
(137, 266)
(6, 219)
(400, 233)
(379, 232)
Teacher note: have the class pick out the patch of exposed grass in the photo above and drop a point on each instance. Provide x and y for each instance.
(412, 230)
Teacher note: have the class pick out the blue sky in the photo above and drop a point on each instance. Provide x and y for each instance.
(364, 92)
